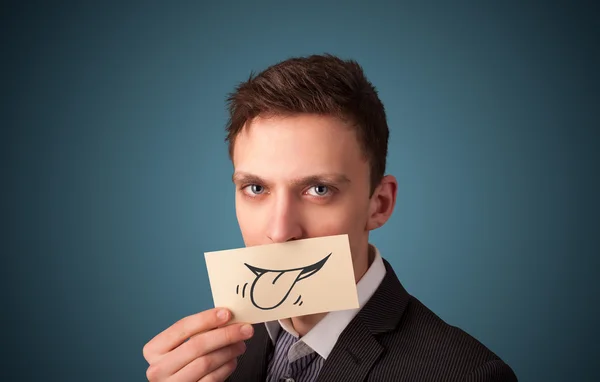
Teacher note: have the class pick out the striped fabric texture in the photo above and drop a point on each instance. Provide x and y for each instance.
(293, 360)
(394, 337)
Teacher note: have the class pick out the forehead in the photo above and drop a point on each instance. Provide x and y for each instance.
(297, 145)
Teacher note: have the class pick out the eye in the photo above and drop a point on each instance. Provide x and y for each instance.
(318, 190)
(254, 189)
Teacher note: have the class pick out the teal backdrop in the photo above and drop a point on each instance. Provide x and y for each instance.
(116, 179)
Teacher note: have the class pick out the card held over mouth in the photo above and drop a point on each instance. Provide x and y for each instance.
(274, 281)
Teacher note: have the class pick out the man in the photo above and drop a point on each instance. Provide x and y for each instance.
(308, 140)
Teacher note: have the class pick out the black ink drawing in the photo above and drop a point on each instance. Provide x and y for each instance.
(265, 294)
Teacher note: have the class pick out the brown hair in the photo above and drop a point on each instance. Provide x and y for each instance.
(318, 84)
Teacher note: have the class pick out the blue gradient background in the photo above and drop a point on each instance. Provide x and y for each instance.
(115, 175)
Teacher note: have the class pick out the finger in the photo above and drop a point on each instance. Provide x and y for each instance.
(221, 373)
(183, 329)
(203, 344)
(203, 366)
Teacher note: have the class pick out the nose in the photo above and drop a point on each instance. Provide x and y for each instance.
(285, 222)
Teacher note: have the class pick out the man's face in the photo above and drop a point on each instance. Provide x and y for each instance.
(299, 177)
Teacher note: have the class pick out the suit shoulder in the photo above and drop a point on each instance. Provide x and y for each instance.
(424, 328)
(426, 342)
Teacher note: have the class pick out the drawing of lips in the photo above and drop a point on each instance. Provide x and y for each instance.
(271, 287)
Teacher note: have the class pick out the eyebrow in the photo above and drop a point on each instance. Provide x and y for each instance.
(247, 178)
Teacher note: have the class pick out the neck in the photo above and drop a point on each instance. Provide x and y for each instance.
(303, 324)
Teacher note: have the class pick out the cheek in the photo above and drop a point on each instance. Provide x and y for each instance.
(249, 221)
(350, 218)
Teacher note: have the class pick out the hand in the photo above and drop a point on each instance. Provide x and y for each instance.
(197, 348)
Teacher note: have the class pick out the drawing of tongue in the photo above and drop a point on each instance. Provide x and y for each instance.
(271, 287)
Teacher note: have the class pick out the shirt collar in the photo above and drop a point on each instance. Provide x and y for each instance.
(323, 336)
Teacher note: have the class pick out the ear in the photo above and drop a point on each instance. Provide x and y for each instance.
(382, 202)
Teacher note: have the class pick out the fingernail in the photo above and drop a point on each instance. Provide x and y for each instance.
(222, 314)
(247, 330)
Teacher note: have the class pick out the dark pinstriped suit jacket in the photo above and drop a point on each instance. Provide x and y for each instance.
(394, 337)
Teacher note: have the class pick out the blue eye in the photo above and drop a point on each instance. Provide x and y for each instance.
(257, 189)
(318, 190)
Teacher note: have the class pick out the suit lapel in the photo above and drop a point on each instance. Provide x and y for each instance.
(252, 365)
(357, 348)
(353, 355)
